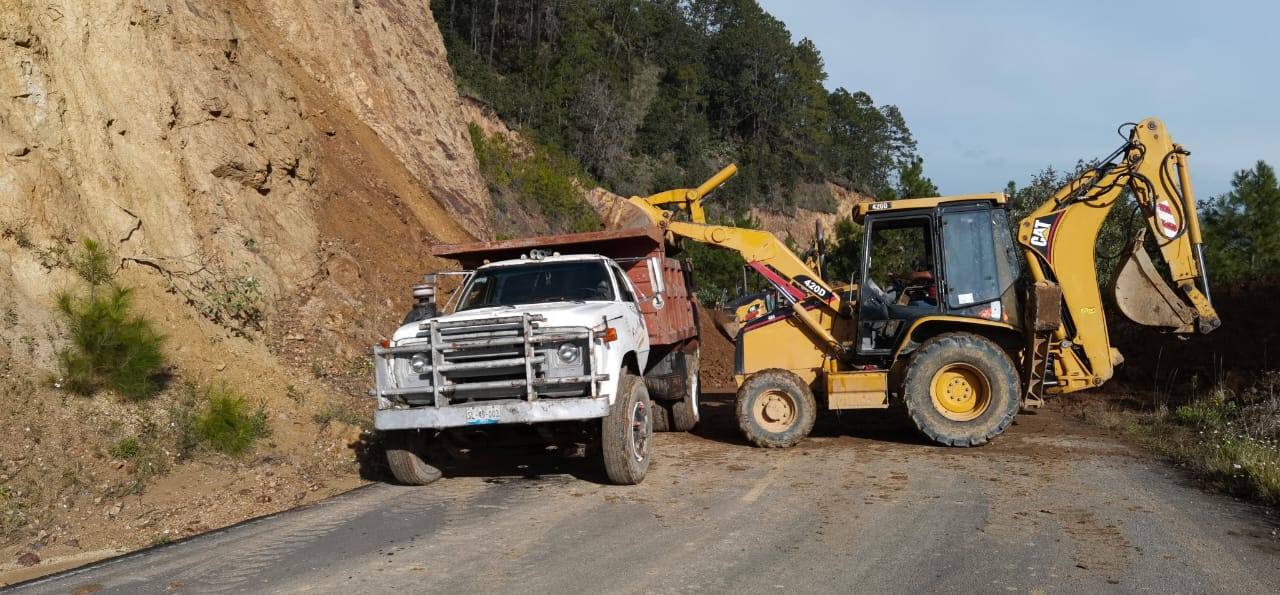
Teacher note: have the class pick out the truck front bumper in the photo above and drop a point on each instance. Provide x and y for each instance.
(506, 411)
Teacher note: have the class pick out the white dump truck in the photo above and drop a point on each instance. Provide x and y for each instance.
(591, 337)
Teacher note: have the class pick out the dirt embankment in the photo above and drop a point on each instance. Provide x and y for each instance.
(1246, 346)
(314, 151)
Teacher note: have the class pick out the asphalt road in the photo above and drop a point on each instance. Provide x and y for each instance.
(863, 506)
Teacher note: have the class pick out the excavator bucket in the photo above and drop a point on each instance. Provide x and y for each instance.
(1142, 295)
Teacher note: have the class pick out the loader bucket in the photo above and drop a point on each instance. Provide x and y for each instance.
(726, 321)
(1142, 295)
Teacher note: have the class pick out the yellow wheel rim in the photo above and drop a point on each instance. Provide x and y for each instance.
(960, 392)
(775, 411)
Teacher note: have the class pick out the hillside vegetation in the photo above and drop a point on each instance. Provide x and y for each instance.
(650, 95)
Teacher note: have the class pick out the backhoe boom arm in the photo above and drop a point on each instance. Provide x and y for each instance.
(1059, 240)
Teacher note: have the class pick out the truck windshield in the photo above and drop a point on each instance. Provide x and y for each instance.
(538, 282)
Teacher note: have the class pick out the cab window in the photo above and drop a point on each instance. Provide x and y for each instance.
(623, 289)
(978, 257)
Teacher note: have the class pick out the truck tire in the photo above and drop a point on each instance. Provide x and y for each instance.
(961, 389)
(626, 434)
(775, 409)
(405, 450)
(684, 413)
(661, 417)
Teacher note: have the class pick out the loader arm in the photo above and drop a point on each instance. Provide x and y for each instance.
(795, 281)
(1059, 239)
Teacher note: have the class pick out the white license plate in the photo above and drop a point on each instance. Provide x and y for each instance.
(483, 415)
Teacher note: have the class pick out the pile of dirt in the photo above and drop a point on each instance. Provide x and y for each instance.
(717, 352)
(1234, 355)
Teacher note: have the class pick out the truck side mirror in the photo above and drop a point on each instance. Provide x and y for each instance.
(657, 282)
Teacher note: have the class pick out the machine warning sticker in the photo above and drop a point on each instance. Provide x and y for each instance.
(965, 298)
(1168, 221)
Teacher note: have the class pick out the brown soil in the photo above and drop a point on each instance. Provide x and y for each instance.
(717, 356)
(1247, 343)
(67, 500)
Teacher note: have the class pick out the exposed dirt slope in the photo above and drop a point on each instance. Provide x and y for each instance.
(316, 149)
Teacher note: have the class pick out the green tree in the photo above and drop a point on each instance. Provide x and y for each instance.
(1242, 227)
(912, 182)
(622, 85)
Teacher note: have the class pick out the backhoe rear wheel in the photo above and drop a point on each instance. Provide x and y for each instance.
(775, 409)
(626, 434)
(961, 390)
(405, 457)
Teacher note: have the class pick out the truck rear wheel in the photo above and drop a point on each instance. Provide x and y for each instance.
(961, 390)
(775, 409)
(684, 413)
(626, 434)
(405, 449)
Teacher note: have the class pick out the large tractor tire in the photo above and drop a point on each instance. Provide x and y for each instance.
(961, 390)
(626, 434)
(775, 409)
(405, 450)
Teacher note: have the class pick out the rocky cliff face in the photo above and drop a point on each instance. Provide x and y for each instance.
(298, 157)
(208, 142)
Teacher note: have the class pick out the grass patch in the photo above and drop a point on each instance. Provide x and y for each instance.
(126, 448)
(228, 423)
(1230, 440)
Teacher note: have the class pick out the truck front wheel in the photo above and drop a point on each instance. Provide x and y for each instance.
(626, 434)
(775, 409)
(405, 450)
(961, 390)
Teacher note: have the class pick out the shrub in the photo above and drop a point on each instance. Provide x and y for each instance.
(110, 348)
(542, 177)
(126, 448)
(93, 264)
(234, 301)
(228, 424)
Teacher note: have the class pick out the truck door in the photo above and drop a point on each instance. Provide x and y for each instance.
(627, 295)
(899, 268)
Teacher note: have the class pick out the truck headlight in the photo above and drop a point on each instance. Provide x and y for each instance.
(419, 363)
(568, 353)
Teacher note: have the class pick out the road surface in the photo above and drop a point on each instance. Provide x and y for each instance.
(1052, 506)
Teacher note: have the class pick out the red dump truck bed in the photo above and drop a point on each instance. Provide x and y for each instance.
(633, 249)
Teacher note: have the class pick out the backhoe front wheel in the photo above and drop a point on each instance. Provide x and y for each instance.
(961, 390)
(626, 434)
(775, 408)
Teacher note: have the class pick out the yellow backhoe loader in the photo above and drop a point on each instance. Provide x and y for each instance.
(942, 315)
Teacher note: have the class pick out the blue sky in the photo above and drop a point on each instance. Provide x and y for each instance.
(996, 90)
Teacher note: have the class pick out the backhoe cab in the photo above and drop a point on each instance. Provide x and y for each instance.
(943, 316)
